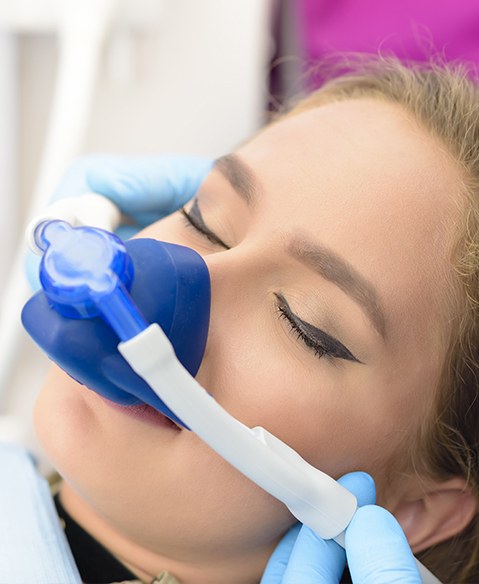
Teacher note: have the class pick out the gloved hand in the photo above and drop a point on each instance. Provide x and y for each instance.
(145, 188)
(376, 548)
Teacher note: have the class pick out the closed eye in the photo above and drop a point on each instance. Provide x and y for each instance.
(194, 219)
(314, 338)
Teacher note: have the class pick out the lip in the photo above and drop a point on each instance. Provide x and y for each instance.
(144, 413)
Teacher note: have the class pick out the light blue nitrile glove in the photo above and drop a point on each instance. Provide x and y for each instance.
(376, 548)
(145, 188)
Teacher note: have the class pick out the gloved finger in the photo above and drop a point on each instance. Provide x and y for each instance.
(318, 561)
(74, 179)
(158, 184)
(72, 184)
(280, 557)
(361, 485)
(146, 188)
(314, 560)
(377, 549)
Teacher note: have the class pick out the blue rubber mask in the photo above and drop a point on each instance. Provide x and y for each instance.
(118, 288)
(91, 318)
(98, 290)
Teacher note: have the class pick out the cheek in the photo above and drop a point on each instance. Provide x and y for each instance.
(63, 420)
(185, 489)
(334, 415)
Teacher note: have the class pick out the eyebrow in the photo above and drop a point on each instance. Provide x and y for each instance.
(337, 270)
(239, 176)
(314, 255)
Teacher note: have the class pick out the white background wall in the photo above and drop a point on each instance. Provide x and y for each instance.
(186, 76)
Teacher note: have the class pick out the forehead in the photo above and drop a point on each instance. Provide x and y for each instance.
(364, 179)
(356, 147)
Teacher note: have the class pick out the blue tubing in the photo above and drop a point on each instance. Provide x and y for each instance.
(103, 290)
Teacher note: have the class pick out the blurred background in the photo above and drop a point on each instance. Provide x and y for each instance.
(123, 76)
(163, 76)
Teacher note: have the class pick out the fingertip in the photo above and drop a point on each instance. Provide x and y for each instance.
(377, 516)
(379, 527)
(374, 534)
(278, 561)
(361, 485)
(314, 560)
(102, 181)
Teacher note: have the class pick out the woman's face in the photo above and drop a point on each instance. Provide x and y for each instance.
(327, 245)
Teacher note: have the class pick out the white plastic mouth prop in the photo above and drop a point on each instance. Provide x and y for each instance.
(312, 496)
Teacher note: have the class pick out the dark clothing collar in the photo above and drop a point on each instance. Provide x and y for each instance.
(95, 563)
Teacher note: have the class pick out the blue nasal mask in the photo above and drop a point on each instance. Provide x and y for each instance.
(97, 289)
(130, 321)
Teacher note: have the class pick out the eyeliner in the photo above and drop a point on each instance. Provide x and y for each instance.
(315, 337)
(195, 218)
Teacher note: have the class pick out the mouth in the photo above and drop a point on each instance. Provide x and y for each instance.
(145, 413)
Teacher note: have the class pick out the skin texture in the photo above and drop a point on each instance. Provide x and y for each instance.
(357, 177)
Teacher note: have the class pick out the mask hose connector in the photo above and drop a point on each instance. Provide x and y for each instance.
(86, 272)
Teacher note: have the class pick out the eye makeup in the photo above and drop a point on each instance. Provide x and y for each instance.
(194, 218)
(314, 338)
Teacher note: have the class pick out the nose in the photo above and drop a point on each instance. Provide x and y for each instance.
(170, 287)
(236, 277)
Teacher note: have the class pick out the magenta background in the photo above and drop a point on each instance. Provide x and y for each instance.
(411, 29)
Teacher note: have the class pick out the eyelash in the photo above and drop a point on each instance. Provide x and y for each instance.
(283, 309)
(335, 350)
(318, 350)
(194, 224)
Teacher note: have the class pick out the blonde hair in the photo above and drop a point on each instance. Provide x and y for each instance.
(444, 100)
